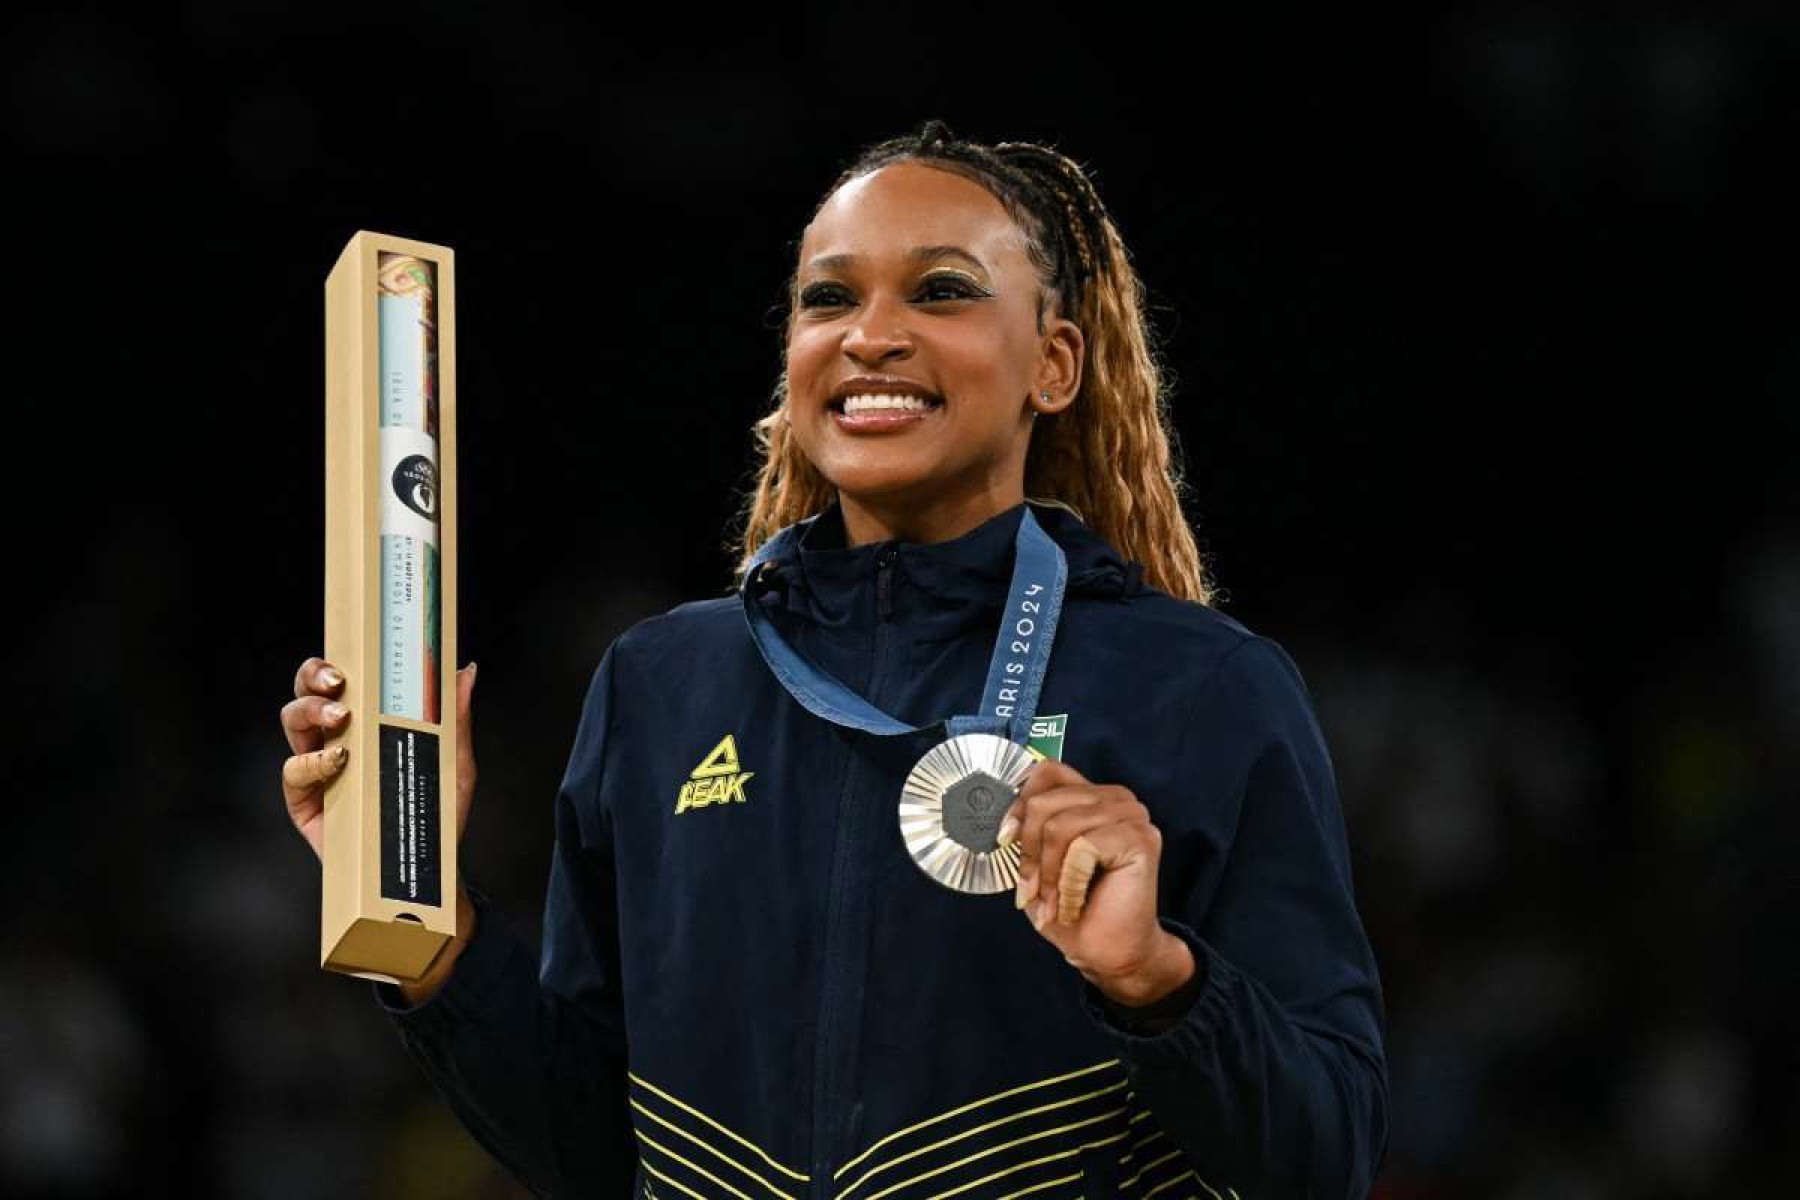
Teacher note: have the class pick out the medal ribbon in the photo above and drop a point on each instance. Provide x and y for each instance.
(1015, 673)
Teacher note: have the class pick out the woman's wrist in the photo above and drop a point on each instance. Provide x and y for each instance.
(1168, 978)
(428, 985)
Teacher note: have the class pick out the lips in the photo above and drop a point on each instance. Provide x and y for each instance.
(884, 402)
(875, 387)
(880, 419)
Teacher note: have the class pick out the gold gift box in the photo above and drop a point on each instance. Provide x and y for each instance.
(390, 871)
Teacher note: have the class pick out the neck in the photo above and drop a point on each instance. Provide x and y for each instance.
(940, 520)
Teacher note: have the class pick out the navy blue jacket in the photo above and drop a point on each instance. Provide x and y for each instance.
(748, 988)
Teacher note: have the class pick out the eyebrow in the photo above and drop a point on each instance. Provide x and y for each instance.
(916, 254)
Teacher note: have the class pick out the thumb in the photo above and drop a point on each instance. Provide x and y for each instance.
(465, 691)
(465, 702)
(465, 732)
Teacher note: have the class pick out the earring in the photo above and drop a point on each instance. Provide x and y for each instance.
(1046, 396)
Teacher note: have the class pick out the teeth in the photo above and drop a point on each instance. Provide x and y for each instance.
(857, 404)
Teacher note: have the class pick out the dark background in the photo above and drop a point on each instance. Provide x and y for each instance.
(1482, 337)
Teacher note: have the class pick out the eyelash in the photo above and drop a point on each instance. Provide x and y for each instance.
(810, 297)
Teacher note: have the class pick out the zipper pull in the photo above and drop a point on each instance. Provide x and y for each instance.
(884, 583)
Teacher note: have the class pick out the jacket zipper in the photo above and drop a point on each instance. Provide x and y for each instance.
(835, 1034)
(884, 589)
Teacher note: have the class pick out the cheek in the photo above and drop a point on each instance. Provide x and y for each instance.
(987, 373)
(802, 364)
(813, 341)
(807, 362)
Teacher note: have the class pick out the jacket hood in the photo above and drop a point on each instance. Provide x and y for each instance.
(938, 587)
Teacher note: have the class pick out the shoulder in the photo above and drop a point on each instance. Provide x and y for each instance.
(1225, 661)
(695, 632)
(1149, 622)
(710, 619)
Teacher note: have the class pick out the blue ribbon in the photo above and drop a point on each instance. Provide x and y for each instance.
(1015, 673)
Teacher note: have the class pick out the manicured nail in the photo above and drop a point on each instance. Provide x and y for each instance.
(341, 754)
(1023, 892)
(330, 677)
(1009, 829)
(335, 713)
(1040, 914)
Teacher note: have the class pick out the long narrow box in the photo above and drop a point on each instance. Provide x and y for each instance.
(389, 901)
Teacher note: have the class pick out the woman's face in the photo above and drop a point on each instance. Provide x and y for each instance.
(919, 276)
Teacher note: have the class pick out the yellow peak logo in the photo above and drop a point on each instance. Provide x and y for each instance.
(717, 780)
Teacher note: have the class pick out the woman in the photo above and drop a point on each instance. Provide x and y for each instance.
(764, 974)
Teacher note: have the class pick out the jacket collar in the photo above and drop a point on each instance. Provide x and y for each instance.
(936, 587)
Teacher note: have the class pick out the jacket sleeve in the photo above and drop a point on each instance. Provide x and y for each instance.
(532, 1060)
(1273, 1082)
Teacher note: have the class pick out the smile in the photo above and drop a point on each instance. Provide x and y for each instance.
(879, 413)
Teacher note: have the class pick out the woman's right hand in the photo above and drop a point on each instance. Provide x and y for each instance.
(314, 716)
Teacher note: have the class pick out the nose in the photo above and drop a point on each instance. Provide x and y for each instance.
(877, 336)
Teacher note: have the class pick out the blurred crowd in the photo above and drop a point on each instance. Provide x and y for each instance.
(1583, 902)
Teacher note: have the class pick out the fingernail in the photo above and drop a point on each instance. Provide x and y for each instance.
(341, 754)
(1009, 829)
(471, 672)
(330, 677)
(1022, 892)
(1040, 914)
(335, 713)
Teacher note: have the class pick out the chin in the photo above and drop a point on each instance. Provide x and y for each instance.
(885, 484)
(886, 492)
(875, 467)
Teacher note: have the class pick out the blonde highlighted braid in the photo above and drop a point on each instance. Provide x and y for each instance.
(1109, 457)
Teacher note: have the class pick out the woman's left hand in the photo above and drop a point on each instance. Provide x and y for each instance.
(1088, 862)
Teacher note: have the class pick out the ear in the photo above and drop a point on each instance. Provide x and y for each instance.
(1059, 371)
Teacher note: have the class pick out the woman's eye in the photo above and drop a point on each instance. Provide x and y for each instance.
(821, 295)
(946, 287)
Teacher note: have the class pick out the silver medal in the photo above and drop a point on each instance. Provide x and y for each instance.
(950, 812)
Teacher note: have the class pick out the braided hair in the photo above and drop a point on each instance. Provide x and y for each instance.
(1110, 456)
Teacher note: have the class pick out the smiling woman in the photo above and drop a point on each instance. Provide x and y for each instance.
(944, 361)
(992, 283)
(970, 652)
